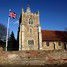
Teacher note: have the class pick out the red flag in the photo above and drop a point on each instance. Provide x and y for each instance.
(12, 14)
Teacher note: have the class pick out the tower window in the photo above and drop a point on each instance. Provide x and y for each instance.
(30, 42)
(30, 21)
(30, 30)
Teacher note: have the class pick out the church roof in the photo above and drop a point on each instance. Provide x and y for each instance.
(48, 35)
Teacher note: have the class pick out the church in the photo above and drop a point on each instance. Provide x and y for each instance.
(32, 37)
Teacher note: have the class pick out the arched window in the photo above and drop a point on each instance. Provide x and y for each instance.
(30, 42)
(47, 43)
(30, 21)
(59, 43)
(30, 30)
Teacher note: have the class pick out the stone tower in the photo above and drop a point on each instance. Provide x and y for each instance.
(30, 37)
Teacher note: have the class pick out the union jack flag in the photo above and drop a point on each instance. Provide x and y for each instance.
(12, 14)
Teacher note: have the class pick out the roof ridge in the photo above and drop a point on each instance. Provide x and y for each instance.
(54, 30)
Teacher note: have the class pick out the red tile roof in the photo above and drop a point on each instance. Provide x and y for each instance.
(48, 35)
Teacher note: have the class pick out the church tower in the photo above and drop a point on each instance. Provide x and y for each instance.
(30, 37)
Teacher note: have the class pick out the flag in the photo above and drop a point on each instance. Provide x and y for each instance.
(12, 14)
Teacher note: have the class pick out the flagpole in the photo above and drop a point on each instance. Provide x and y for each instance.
(7, 33)
(12, 15)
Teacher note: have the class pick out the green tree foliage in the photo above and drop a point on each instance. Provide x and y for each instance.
(12, 44)
(3, 31)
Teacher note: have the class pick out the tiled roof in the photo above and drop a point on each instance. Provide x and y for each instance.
(54, 35)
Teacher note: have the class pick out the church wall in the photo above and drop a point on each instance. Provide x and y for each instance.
(25, 40)
(62, 45)
(52, 46)
(57, 46)
(32, 36)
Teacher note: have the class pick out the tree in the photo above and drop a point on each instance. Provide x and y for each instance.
(12, 44)
(3, 31)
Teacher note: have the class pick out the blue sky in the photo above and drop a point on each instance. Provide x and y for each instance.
(53, 13)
